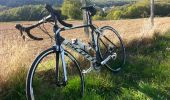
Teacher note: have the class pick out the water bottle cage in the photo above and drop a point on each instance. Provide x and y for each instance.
(80, 45)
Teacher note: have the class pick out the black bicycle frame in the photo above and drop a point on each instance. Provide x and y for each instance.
(59, 49)
(60, 40)
(94, 40)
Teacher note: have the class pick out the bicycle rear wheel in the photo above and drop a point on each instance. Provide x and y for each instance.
(41, 83)
(109, 43)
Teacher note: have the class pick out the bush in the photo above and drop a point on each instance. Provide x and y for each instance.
(71, 9)
(138, 10)
(114, 15)
(162, 9)
(97, 17)
(100, 15)
(135, 11)
(23, 13)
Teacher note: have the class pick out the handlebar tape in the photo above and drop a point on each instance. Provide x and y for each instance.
(27, 30)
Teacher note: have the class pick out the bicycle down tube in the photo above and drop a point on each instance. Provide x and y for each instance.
(76, 47)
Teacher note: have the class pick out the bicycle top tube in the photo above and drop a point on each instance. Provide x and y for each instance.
(75, 27)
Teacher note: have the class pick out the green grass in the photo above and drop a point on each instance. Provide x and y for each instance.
(145, 76)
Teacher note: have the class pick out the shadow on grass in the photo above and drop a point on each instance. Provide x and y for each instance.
(145, 75)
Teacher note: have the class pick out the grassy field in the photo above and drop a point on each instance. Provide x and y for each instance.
(146, 74)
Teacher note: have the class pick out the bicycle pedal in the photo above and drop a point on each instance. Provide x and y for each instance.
(114, 56)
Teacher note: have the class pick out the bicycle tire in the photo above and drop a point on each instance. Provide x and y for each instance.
(31, 78)
(105, 42)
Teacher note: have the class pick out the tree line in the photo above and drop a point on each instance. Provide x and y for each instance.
(138, 10)
(24, 13)
(71, 10)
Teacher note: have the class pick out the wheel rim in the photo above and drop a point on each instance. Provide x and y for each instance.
(43, 81)
(109, 42)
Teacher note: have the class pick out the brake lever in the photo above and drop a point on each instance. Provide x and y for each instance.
(22, 35)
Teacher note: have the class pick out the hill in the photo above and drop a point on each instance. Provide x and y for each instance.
(16, 3)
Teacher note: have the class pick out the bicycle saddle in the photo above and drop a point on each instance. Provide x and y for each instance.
(90, 9)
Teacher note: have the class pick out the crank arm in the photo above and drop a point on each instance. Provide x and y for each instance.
(114, 56)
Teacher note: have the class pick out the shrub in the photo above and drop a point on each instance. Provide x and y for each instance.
(162, 9)
(97, 17)
(100, 15)
(136, 11)
(71, 9)
(114, 15)
(23, 13)
(139, 10)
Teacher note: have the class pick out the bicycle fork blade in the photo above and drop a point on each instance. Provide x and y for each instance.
(57, 66)
(64, 67)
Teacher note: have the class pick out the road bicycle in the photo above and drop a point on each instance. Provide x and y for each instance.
(56, 71)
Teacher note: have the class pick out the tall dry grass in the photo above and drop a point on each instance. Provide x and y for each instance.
(17, 54)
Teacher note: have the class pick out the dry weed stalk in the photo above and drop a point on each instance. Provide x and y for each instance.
(16, 56)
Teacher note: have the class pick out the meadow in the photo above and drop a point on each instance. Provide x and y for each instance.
(145, 76)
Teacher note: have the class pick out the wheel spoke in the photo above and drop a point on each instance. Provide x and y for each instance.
(110, 41)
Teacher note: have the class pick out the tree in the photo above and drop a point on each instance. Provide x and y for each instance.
(71, 9)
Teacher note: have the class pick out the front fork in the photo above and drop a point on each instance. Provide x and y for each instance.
(60, 55)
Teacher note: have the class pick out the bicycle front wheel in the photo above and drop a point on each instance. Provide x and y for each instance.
(110, 43)
(41, 83)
